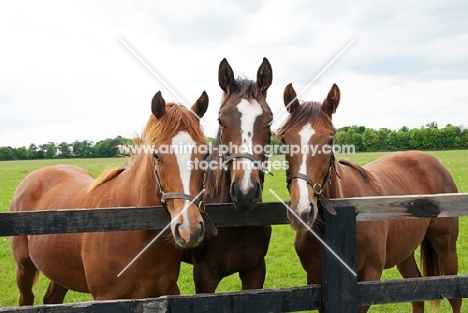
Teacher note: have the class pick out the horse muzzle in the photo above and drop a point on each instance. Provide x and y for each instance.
(186, 237)
(245, 198)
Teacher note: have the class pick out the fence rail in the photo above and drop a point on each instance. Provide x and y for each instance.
(266, 213)
(346, 293)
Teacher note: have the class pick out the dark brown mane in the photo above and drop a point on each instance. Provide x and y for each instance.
(213, 177)
(368, 177)
(307, 112)
(177, 118)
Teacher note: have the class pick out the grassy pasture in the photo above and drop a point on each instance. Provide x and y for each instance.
(283, 267)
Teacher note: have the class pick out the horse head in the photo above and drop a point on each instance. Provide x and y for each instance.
(179, 142)
(308, 133)
(244, 132)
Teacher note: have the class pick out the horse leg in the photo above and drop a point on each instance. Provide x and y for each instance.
(409, 269)
(206, 279)
(367, 273)
(254, 277)
(55, 293)
(443, 234)
(26, 276)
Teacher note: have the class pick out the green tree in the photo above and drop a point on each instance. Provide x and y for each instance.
(450, 137)
(22, 153)
(383, 138)
(415, 138)
(370, 140)
(83, 149)
(64, 150)
(6, 153)
(33, 152)
(50, 150)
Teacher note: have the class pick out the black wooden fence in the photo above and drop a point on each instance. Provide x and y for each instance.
(338, 292)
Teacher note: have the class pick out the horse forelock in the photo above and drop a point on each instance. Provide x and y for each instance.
(308, 112)
(247, 89)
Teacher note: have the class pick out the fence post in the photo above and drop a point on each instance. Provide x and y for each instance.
(339, 285)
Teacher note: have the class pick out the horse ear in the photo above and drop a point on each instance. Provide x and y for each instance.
(264, 75)
(158, 105)
(225, 76)
(330, 104)
(290, 99)
(201, 105)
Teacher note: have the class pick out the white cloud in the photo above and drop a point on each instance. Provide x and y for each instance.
(65, 76)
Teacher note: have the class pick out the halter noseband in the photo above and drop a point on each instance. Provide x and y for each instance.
(175, 195)
(317, 188)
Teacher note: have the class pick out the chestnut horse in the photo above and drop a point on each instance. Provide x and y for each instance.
(380, 244)
(91, 262)
(244, 123)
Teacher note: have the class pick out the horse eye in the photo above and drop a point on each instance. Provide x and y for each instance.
(270, 123)
(331, 141)
(220, 123)
(157, 158)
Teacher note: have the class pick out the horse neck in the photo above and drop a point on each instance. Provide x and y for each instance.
(347, 185)
(335, 186)
(139, 180)
(217, 191)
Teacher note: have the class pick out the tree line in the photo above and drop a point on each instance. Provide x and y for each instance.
(78, 149)
(428, 137)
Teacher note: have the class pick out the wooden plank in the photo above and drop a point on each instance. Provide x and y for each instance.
(268, 213)
(413, 289)
(273, 300)
(114, 219)
(339, 285)
(395, 207)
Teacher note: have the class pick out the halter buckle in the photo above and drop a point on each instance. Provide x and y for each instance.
(317, 189)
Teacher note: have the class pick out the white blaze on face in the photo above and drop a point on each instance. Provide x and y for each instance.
(183, 139)
(303, 204)
(249, 111)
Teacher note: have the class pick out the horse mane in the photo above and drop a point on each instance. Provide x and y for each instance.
(176, 118)
(213, 177)
(307, 112)
(368, 177)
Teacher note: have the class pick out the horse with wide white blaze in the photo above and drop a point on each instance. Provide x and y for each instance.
(94, 262)
(312, 179)
(244, 123)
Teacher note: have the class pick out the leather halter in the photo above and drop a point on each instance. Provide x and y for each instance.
(317, 188)
(175, 195)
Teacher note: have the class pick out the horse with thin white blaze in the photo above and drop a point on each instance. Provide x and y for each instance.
(244, 126)
(314, 177)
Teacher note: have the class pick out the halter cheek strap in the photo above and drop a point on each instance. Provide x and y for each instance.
(175, 195)
(317, 188)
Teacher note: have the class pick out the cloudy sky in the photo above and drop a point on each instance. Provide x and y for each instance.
(66, 71)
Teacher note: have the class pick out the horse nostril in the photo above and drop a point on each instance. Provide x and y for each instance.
(201, 234)
(177, 235)
(258, 191)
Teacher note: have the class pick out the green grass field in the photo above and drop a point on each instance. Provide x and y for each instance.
(283, 267)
